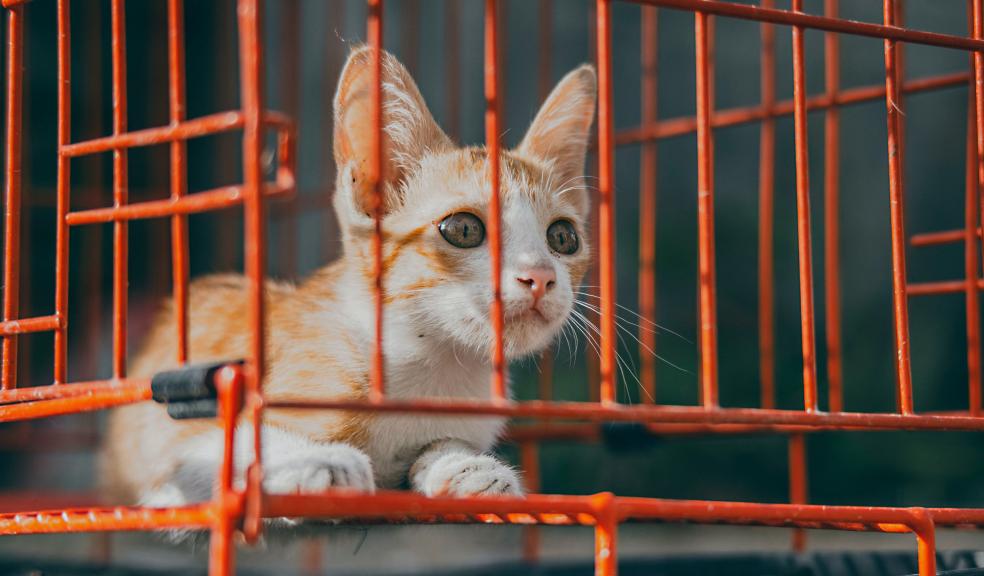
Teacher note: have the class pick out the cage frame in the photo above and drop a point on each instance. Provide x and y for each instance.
(234, 511)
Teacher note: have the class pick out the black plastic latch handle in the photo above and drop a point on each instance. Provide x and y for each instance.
(189, 391)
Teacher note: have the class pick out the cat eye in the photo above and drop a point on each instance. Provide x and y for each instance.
(463, 229)
(562, 237)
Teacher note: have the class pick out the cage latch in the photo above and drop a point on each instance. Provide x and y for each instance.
(189, 391)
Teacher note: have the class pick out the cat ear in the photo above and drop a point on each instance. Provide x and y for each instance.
(559, 133)
(409, 129)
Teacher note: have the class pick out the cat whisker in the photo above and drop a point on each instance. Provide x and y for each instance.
(621, 363)
(631, 334)
(636, 314)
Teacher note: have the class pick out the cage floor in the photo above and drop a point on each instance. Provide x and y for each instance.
(855, 563)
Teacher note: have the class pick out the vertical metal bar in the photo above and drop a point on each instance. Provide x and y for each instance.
(592, 357)
(831, 216)
(977, 13)
(63, 187)
(12, 189)
(530, 459)
(120, 190)
(926, 544)
(492, 131)
(899, 297)
(705, 220)
(804, 243)
(647, 206)
(798, 483)
(606, 535)
(544, 65)
(222, 554)
(972, 296)
(179, 172)
(375, 36)
(606, 200)
(251, 78)
(766, 252)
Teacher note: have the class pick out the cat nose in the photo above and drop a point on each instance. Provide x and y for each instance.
(538, 280)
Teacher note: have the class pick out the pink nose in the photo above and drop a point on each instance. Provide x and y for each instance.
(538, 280)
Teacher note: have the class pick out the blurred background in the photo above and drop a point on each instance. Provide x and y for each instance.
(441, 43)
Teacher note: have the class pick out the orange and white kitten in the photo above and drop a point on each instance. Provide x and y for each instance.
(437, 329)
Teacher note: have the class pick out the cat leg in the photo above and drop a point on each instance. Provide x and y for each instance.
(291, 464)
(454, 468)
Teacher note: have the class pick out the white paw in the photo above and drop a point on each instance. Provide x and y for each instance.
(335, 466)
(468, 475)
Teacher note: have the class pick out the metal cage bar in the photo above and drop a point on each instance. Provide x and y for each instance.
(12, 191)
(493, 109)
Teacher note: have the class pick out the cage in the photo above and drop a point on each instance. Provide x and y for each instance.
(259, 177)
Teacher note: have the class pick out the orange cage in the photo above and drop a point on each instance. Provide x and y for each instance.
(233, 511)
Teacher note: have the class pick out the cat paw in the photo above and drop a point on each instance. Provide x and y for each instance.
(337, 466)
(470, 475)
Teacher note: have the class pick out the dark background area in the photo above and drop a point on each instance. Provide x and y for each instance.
(938, 469)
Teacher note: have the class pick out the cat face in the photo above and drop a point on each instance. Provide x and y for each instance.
(436, 211)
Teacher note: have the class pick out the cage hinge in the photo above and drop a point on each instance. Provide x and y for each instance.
(189, 391)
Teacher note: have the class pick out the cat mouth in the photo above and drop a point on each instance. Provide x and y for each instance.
(532, 313)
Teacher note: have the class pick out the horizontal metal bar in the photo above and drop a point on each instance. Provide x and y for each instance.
(29, 325)
(574, 510)
(652, 413)
(735, 116)
(802, 19)
(196, 128)
(190, 204)
(106, 519)
(942, 237)
(943, 287)
(391, 506)
(94, 400)
(75, 390)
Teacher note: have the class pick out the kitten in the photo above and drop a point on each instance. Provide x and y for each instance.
(437, 329)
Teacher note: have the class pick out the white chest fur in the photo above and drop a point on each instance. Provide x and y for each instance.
(396, 439)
